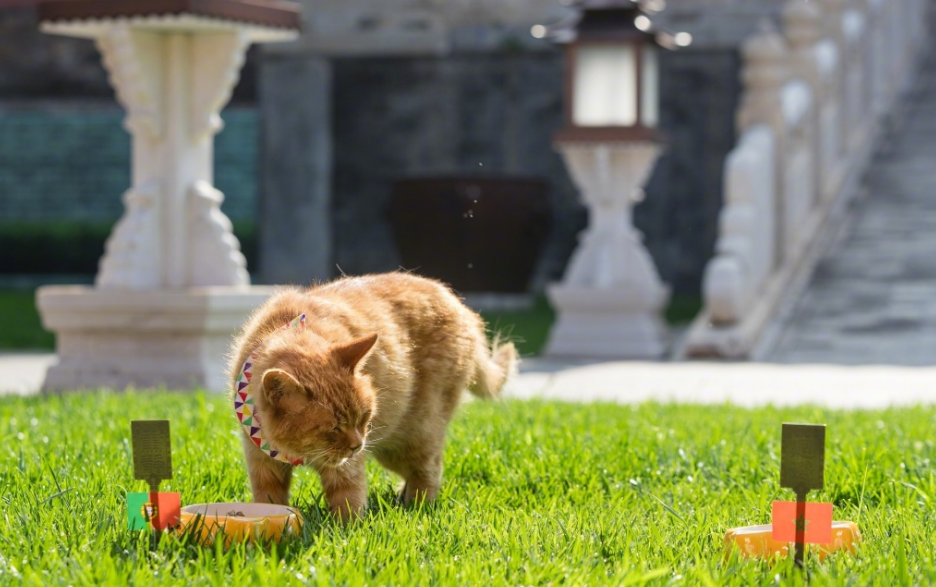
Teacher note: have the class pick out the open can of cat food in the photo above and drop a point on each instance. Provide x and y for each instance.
(236, 522)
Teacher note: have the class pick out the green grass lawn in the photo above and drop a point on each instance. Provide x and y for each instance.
(527, 328)
(534, 494)
(20, 328)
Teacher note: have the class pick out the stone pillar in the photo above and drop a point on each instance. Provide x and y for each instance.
(894, 17)
(803, 30)
(295, 169)
(855, 96)
(765, 73)
(802, 21)
(833, 12)
(610, 301)
(173, 285)
(173, 233)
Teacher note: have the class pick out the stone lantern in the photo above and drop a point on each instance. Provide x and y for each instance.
(172, 286)
(610, 300)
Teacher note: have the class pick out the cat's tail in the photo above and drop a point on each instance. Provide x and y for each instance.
(493, 368)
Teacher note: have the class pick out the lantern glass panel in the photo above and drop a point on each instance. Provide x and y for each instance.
(649, 87)
(605, 85)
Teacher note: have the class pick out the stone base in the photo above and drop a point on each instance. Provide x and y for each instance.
(176, 339)
(606, 325)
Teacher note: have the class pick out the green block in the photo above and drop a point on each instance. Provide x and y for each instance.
(135, 518)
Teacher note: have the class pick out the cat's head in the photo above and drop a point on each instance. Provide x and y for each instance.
(314, 402)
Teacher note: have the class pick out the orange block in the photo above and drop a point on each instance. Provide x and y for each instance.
(236, 522)
(758, 542)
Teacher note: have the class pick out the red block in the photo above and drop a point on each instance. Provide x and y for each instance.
(816, 524)
(168, 509)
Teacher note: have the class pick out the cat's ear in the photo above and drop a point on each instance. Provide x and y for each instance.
(278, 384)
(350, 354)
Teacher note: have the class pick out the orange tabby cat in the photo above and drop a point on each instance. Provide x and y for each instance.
(380, 365)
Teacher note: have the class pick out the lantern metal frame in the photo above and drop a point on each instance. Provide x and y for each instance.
(604, 23)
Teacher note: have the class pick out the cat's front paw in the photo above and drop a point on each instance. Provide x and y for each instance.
(415, 492)
(346, 489)
(348, 512)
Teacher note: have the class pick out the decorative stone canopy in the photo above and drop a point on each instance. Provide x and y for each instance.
(266, 20)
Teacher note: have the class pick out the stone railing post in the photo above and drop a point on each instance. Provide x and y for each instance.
(765, 73)
(897, 37)
(921, 9)
(876, 37)
(909, 25)
(798, 161)
(833, 28)
(744, 253)
(854, 23)
(802, 21)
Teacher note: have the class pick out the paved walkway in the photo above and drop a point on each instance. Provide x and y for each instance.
(744, 384)
(872, 299)
(23, 372)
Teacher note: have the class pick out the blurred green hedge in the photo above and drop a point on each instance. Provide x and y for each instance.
(74, 248)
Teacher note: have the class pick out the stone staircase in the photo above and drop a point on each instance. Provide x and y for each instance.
(820, 97)
(872, 297)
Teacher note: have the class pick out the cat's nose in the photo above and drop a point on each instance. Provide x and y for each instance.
(355, 448)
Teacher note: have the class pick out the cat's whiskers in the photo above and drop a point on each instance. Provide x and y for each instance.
(373, 440)
(317, 456)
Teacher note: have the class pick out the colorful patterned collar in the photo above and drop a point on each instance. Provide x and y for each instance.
(246, 408)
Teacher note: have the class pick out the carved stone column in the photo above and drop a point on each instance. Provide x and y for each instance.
(610, 300)
(173, 86)
(172, 286)
(765, 73)
(803, 30)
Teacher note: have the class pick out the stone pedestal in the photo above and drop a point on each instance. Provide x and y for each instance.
(113, 338)
(610, 301)
(172, 286)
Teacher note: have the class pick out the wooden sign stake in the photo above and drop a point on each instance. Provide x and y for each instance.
(802, 469)
(152, 456)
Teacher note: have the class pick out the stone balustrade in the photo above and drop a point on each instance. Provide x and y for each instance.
(815, 95)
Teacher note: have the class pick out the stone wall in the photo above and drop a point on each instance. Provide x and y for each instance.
(70, 162)
(495, 114)
(33, 65)
(481, 114)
